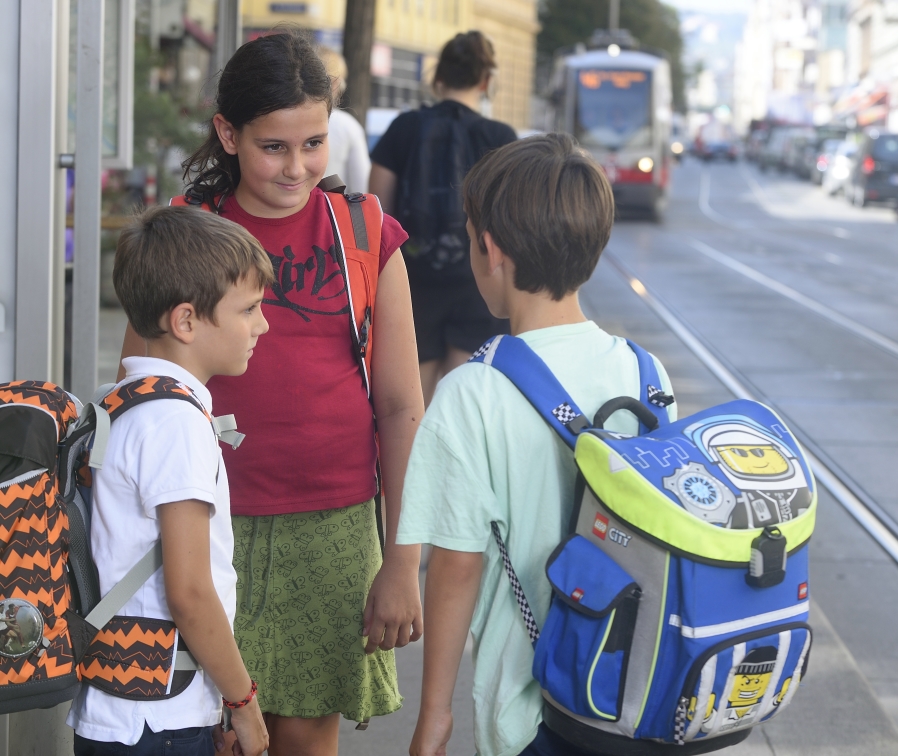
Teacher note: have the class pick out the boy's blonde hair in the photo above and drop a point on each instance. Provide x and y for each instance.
(171, 255)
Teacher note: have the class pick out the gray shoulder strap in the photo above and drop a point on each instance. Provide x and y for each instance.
(113, 601)
(125, 588)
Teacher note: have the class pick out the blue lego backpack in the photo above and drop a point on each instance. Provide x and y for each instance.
(679, 616)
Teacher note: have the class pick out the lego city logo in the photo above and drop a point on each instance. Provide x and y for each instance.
(577, 594)
(619, 537)
(600, 526)
(802, 591)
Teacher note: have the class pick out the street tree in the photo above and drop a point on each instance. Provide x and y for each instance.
(358, 37)
(654, 24)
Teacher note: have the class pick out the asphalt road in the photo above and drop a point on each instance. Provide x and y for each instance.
(797, 291)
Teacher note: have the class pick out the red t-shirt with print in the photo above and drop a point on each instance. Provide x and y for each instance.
(301, 403)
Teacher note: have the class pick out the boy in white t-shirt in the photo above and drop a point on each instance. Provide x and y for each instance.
(191, 284)
(540, 212)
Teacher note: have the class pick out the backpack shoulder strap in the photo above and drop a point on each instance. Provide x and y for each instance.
(147, 389)
(650, 392)
(357, 220)
(532, 377)
(195, 198)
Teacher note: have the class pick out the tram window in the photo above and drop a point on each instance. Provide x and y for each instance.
(614, 109)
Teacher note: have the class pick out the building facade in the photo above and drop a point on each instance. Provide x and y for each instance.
(408, 35)
(872, 64)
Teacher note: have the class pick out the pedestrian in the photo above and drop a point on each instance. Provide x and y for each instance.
(320, 610)
(346, 137)
(192, 286)
(540, 212)
(418, 168)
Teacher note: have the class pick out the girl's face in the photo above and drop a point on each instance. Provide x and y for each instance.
(282, 156)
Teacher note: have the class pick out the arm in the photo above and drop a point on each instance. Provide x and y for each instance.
(453, 580)
(383, 183)
(133, 346)
(394, 602)
(200, 617)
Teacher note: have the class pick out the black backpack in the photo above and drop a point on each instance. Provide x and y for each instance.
(429, 197)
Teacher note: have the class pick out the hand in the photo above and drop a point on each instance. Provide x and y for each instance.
(431, 734)
(249, 726)
(393, 615)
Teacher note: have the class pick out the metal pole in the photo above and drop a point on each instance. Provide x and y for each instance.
(88, 153)
(614, 16)
(230, 32)
(57, 351)
(37, 161)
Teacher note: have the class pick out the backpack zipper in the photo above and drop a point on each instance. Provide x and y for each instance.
(23, 477)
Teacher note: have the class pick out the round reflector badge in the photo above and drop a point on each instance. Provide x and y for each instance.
(21, 628)
(701, 494)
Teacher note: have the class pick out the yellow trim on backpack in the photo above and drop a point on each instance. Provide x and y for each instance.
(637, 502)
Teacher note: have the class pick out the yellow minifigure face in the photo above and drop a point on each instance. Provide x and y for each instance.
(749, 689)
(753, 460)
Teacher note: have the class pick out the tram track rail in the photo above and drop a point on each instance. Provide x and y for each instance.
(874, 520)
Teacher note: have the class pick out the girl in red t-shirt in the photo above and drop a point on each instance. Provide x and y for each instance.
(311, 584)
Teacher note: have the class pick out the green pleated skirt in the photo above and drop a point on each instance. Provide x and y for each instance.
(302, 582)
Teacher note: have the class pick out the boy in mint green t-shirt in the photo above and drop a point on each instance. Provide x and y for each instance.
(539, 214)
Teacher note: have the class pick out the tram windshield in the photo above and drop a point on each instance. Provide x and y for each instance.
(613, 108)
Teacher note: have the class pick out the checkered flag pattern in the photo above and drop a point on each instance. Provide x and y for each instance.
(529, 621)
(565, 413)
(680, 722)
(481, 350)
(658, 397)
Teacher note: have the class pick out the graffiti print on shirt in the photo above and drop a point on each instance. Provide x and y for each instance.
(314, 286)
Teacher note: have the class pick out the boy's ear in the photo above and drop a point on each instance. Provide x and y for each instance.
(227, 134)
(494, 253)
(181, 322)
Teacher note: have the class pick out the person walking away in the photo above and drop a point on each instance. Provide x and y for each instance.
(540, 213)
(346, 136)
(320, 611)
(417, 171)
(192, 287)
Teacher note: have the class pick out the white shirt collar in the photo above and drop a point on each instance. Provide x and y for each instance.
(139, 367)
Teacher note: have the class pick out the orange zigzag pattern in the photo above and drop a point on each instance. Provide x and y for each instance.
(160, 637)
(117, 673)
(36, 561)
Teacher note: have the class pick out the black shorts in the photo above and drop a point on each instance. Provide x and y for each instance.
(451, 314)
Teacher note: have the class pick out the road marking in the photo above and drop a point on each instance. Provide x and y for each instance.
(859, 329)
(704, 204)
(877, 525)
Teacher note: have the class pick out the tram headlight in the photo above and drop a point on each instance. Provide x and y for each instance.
(677, 148)
(645, 164)
(613, 50)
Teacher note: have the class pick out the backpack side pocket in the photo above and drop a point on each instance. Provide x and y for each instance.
(582, 654)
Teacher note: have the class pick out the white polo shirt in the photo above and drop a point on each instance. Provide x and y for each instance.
(159, 452)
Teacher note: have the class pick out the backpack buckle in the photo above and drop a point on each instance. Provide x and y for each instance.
(355, 197)
(768, 559)
(364, 332)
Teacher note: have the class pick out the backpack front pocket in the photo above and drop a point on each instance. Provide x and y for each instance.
(582, 653)
(739, 682)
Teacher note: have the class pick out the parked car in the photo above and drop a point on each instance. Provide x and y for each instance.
(797, 141)
(818, 157)
(716, 140)
(771, 155)
(839, 168)
(874, 175)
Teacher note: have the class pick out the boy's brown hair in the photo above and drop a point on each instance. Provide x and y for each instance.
(171, 255)
(547, 205)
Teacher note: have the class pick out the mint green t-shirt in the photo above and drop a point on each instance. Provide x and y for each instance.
(483, 454)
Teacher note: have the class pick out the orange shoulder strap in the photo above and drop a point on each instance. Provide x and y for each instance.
(358, 219)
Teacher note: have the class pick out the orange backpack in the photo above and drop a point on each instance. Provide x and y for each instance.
(356, 219)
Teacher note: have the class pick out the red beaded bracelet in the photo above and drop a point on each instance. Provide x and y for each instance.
(245, 701)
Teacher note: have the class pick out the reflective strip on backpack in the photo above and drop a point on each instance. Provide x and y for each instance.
(725, 628)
